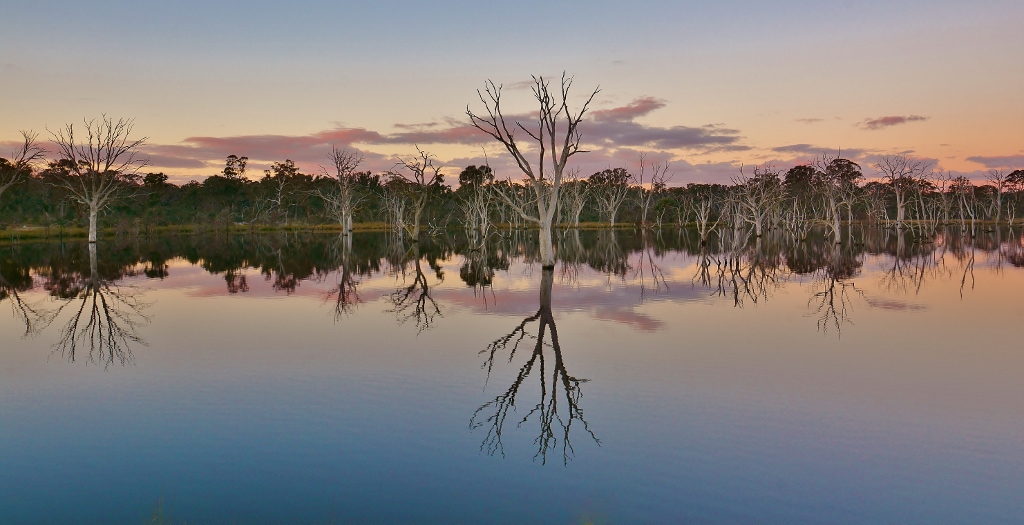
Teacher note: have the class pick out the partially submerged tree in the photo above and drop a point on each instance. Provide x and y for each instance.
(902, 173)
(100, 169)
(422, 178)
(475, 189)
(553, 149)
(655, 176)
(341, 199)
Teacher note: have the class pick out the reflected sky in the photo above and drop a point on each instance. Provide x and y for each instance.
(722, 381)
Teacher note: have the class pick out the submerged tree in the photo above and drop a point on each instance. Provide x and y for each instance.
(553, 419)
(415, 185)
(100, 169)
(341, 199)
(553, 149)
(902, 174)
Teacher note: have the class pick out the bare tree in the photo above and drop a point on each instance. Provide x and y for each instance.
(997, 178)
(341, 200)
(757, 196)
(20, 165)
(422, 179)
(574, 195)
(102, 168)
(656, 177)
(902, 174)
(553, 150)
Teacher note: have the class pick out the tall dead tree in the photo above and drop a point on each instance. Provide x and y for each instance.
(553, 149)
(101, 168)
(422, 178)
(341, 199)
(20, 165)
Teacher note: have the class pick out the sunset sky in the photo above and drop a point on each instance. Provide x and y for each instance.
(706, 85)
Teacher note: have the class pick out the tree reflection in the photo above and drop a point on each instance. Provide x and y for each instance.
(346, 292)
(14, 280)
(105, 317)
(832, 299)
(412, 300)
(559, 404)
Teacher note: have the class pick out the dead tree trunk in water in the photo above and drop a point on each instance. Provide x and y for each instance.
(553, 150)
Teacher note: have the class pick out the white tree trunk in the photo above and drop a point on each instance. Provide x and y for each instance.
(93, 215)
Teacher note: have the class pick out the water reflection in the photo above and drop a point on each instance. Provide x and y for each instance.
(560, 392)
(44, 281)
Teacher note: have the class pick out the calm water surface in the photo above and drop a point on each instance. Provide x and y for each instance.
(647, 379)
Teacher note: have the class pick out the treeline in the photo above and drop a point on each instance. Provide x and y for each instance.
(831, 191)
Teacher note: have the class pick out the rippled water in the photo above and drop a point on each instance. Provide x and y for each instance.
(647, 379)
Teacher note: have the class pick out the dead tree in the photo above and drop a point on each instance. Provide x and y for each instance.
(656, 177)
(553, 150)
(574, 196)
(902, 173)
(21, 163)
(422, 178)
(758, 196)
(101, 169)
(341, 199)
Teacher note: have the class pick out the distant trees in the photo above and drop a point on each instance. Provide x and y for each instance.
(475, 197)
(610, 188)
(902, 174)
(19, 167)
(554, 148)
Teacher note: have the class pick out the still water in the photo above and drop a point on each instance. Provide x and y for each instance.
(649, 378)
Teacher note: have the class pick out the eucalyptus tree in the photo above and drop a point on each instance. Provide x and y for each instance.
(758, 196)
(610, 189)
(476, 197)
(656, 177)
(835, 179)
(415, 185)
(998, 180)
(553, 148)
(102, 167)
(575, 194)
(341, 199)
(19, 167)
(902, 174)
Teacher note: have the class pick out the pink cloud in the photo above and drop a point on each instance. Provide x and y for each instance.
(894, 120)
(1005, 161)
(638, 108)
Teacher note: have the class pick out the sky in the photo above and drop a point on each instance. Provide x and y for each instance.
(706, 86)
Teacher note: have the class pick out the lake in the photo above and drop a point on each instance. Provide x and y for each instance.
(648, 378)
